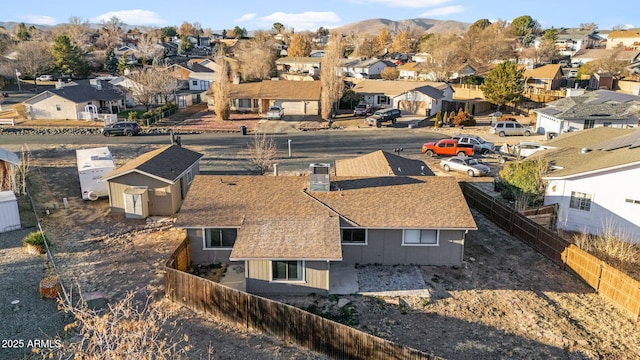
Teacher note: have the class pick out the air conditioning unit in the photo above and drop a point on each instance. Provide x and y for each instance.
(319, 177)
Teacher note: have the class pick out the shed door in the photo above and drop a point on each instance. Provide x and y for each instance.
(136, 203)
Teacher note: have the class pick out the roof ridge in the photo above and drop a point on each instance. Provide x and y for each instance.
(304, 191)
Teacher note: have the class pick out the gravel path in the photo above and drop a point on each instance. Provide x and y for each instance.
(31, 318)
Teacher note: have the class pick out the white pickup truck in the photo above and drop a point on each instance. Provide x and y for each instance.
(275, 113)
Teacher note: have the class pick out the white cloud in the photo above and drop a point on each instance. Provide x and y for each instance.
(447, 10)
(245, 17)
(308, 20)
(131, 17)
(39, 19)
(413, 4)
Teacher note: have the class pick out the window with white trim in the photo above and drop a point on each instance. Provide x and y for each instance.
(580, 201)
(353, 236)
(287, 270)
(244, 103)
(420, 237)
(221, 238)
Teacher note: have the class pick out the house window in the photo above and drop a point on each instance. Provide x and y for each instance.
(194, 82)
(354, 236)
(421, 237)
(223, 238)
(244, 103)
(255, 103)
(588, 124)
(282, 270)
(580, 201)
(189, 176)
(383, 100)
(58, 108)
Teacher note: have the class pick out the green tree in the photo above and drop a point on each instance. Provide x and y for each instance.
(239, 32)
(278, 27)
(322, 31)
(438, 121)
(67, 57)
(184, 45)
(123, 64)
(168, 31)
(523, 25)
(480, 25)
(550, 34)
(523, 179)
(22, 32)
(111, 62)
(503, 84)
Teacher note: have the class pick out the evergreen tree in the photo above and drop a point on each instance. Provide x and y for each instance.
(438, 119)
(123, 64)
(111, 62)
(67, 57)
(504, 84)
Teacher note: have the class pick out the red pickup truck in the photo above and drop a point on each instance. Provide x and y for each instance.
(447, 147)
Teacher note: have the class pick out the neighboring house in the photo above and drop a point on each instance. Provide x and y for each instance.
(602, 80)
(127, 85)
(161, 179)
(290, 230)
(629, 38)
(298, 65)
(297, 98)
(363, 68)
(586, 55)
(594, 182)
(198, 76)
(569, 41)
(381, 163)
(412, 97)
(77, 100)
(589, 110)
(546, 77)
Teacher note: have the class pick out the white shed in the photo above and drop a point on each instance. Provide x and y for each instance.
(9, 214)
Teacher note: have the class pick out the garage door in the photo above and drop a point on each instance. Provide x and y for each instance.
(293, 107)
(413, 107)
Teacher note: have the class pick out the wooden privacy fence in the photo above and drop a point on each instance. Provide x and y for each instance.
(276, 319)
(609, 282)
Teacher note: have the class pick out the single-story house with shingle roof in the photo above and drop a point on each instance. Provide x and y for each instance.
(163, 176)
(70, 100)
(593, 179)
(546, 77)
(592, 109)
(413, 97)
(586, 55)
(381, 163)
(290, 230)
(299, 99)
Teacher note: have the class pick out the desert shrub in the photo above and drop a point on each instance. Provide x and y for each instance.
(610, 246)
(438, 120)
(463, 118)
(523, 180)
(21, 110)
(148, 114)
(133, 115)
(35, 238)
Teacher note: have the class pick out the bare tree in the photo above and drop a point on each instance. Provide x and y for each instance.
(383, 40)
(150, 84)
(111, 32)
(257, 56)
(33, 57)
(482, 47)
(445, 58)
(402, 42)
(365, 46)
(332, 81)
(262, 152)
(77, 30)
(220, 87)
(300, 46)
(148, 47)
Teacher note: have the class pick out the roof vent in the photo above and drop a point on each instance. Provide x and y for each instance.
(585, 150)
(319, 179)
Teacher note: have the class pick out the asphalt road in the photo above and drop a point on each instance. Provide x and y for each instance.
(227, 152)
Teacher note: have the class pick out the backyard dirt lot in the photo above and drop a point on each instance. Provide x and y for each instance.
(507, 301)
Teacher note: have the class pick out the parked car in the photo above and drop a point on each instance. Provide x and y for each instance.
(275, 113)
(128, 128)
(363, 110)
(447, 147)
(467, 165)
(510, 127)
(45, 78)
(480, 145)
(383, 115)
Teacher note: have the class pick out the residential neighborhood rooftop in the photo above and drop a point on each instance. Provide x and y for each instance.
(381, 163)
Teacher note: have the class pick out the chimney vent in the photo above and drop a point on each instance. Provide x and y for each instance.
(585, 150)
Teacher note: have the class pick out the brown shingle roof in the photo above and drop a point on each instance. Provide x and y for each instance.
(279, 219)
(548, 71)
(394, 88)
(166, 163)
(586, 138)
(381, 163)
(276, 89)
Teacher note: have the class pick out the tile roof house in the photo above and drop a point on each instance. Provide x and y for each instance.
(76, 100)
(414, 97)
(381, 163)
(592, 109)
(546, 77)
(299, 99)
(593, 179)
(288, 233)
(159, 179)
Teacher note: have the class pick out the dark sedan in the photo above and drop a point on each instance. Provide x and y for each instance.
(128, 128)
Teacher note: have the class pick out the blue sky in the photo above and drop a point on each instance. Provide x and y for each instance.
(309, 15)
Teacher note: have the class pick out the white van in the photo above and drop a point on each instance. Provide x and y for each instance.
(45, 78)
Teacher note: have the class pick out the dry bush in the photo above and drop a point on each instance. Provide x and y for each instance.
(21, 111)
(123, 331)
(262, 151)
(611, 245)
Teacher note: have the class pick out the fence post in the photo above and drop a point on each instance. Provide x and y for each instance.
(599, 277)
